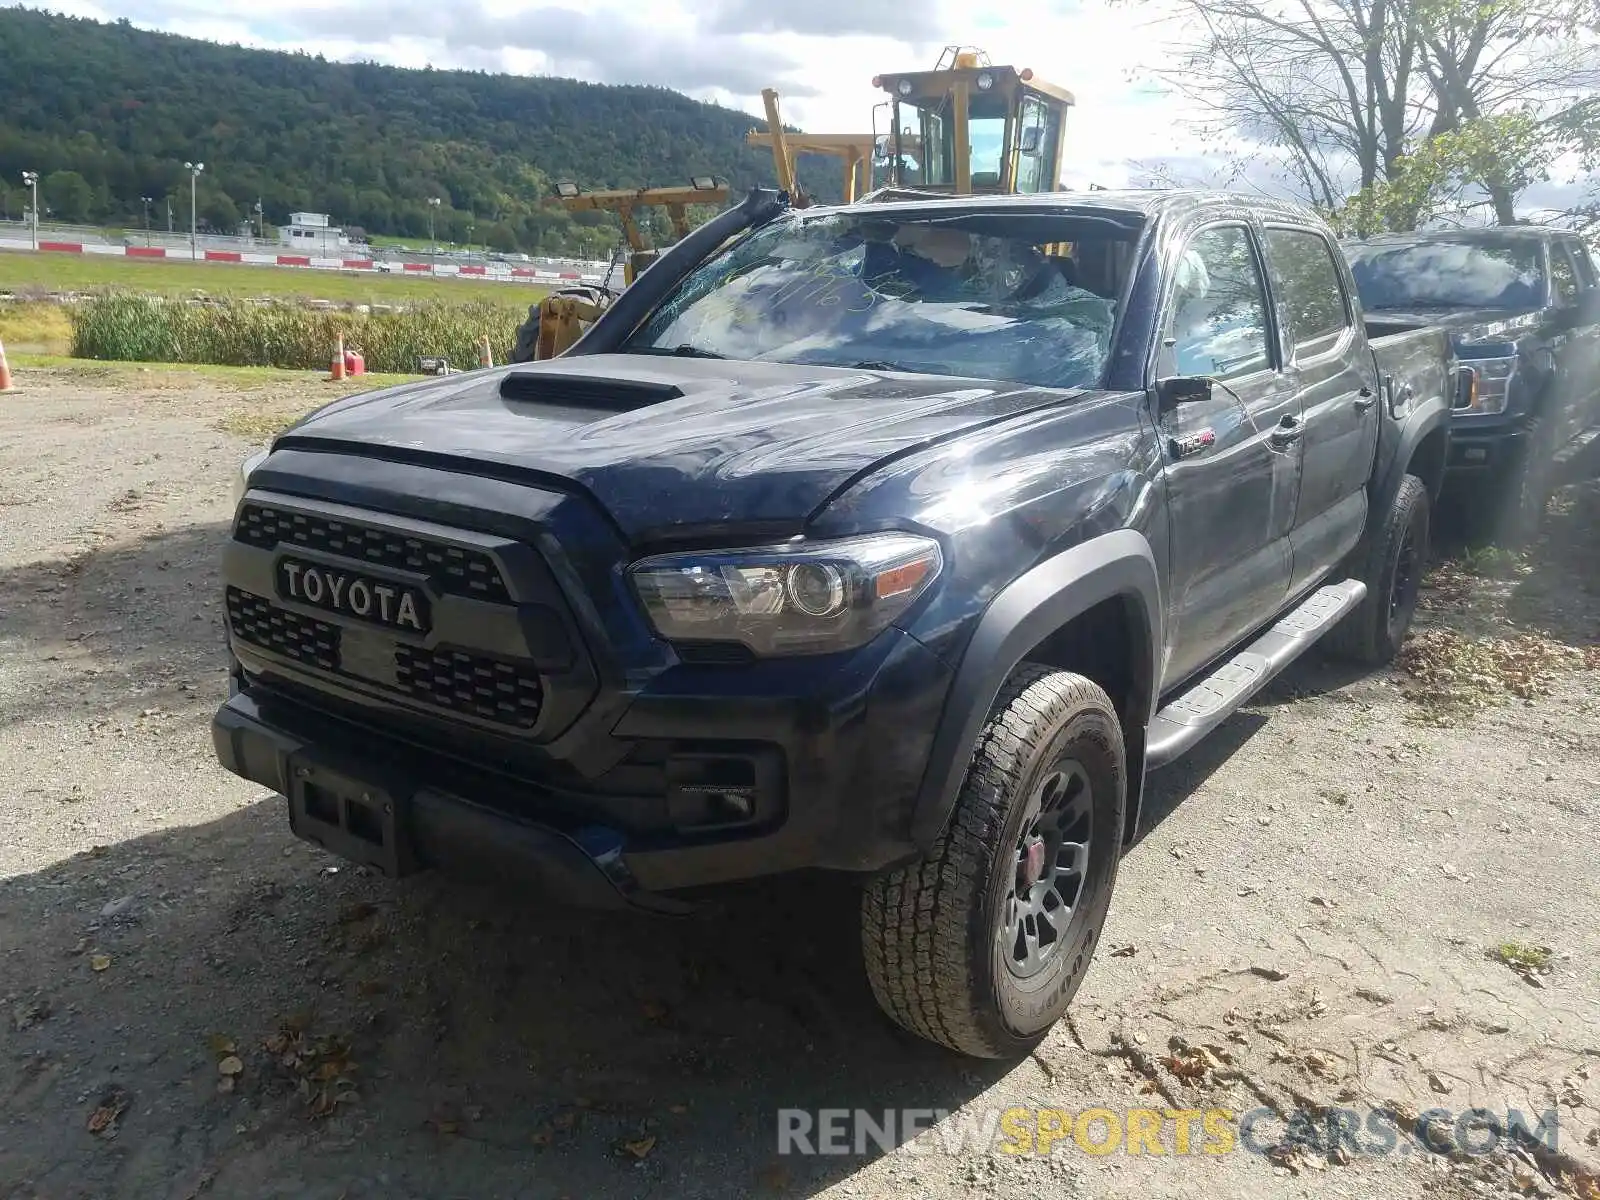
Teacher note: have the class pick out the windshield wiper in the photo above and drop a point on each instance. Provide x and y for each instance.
(684, 350)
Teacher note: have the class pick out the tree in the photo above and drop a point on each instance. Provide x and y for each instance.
(1384, 111)
(67, 194)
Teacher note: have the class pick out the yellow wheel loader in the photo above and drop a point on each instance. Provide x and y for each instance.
(560, 318)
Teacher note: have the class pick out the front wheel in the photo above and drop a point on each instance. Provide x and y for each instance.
(982, 945)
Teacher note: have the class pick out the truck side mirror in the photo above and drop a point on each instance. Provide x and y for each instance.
(1176, 390)
(880, 150)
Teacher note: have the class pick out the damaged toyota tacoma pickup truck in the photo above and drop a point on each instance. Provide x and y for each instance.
(897, 539)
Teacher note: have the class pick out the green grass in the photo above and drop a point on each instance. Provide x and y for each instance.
(124, 327)
(34, 328)
(23, 270)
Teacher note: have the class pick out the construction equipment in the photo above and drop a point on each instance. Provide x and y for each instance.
(856, 149)
(560, 318)
(626, 203)
(965, 127)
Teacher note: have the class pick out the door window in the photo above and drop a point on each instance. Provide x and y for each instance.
(1585, 265)
(1563, 276)
(1313, 294)
(1031, 168)
(1217, 322)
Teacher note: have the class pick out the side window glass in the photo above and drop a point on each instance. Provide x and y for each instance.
(1308, 280)
(1563, 277)
(1218, 320)
(1585, 265)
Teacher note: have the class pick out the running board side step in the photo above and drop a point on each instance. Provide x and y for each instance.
(1205, 705)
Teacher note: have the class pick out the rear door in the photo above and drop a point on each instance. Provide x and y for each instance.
(1336, 383)
(1576, 294)
(1232, 469)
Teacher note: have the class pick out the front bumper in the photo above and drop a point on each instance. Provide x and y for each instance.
(839, 781)
(1477, 449)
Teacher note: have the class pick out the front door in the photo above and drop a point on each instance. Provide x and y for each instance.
(1233, 461)
(1338, 392)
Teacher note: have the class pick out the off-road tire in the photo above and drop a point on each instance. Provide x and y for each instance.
(527, 337)
(931, 931)
(1373, 632)
(1522, 495)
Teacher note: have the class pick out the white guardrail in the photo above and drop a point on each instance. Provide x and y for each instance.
(352, 261)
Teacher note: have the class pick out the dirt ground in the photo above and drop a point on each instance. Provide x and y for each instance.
(1318, 916)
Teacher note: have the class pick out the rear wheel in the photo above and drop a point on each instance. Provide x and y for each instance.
(982, 945)
(1372, 634)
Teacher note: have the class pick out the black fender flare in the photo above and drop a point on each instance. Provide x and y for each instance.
(1427, 418)
(1115, 565)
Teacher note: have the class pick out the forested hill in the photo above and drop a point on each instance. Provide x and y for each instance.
(108, 114)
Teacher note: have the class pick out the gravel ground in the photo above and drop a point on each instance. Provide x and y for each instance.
(192, 1002)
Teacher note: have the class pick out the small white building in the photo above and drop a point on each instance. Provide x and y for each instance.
(311, 233)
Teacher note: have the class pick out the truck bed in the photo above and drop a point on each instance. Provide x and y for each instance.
(1419, 357)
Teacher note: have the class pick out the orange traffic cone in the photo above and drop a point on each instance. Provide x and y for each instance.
(5, 372)
(337, 373)
(485, 354)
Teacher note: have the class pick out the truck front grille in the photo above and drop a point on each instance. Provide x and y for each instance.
(455, 681)
(452, 569)
(467, 683)
(263, 624)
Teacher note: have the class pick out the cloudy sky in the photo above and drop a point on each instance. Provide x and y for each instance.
(820, 54)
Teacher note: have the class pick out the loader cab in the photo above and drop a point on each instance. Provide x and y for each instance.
(969, 127)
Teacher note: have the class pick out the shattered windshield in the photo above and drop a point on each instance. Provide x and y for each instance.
(1445, 273)
(851, 290)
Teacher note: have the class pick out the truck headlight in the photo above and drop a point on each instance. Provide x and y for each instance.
(803, 598)
(241, 479)
(1494, 385)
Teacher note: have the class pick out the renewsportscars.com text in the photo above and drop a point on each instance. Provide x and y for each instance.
(1154, 1131)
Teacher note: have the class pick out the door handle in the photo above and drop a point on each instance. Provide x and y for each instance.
(1288, 431)
(1365, 399)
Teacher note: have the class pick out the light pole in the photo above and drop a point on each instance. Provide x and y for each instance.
(146, 200)
(261, 221)
(31, 179)
(433, 242)
(194, 170)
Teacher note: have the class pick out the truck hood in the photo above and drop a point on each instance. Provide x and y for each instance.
(665, 443)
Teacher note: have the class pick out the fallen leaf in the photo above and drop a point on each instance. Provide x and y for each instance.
(112, 1105)
(226, 1084)
(99, 962)
(678, 1110)
(1189, 1069)
(1127, 951)
(221, 1044)
(640, 1147)
(1322, 902)
(1139, 1039)
(1438, 1083)
(232, 1065)
(541, 1137)
(1272, 973)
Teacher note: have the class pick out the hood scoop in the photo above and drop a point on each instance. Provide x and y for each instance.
(585, 393)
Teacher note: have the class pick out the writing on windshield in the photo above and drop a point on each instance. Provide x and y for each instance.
(913, 295)
(1449, 274)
